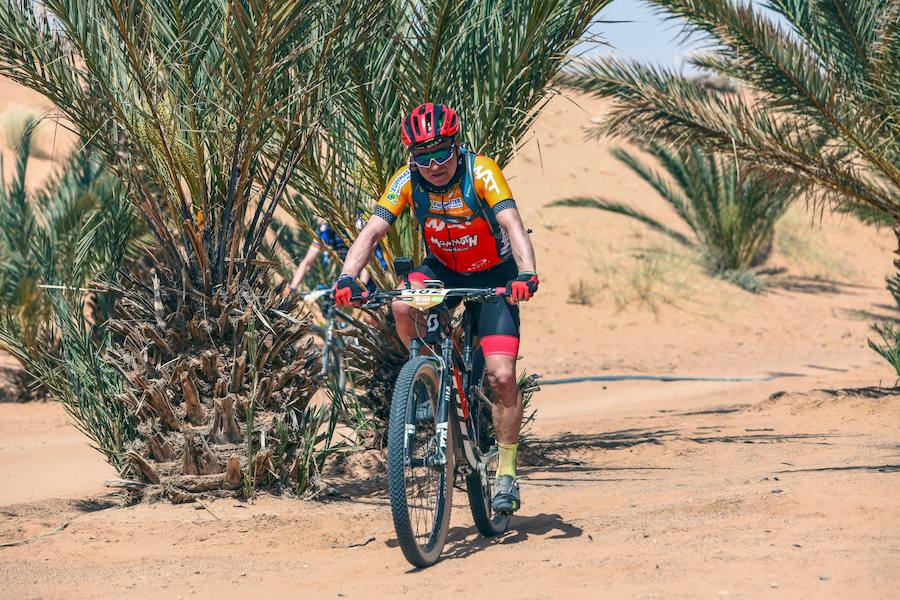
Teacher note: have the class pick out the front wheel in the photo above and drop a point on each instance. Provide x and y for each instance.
(421, 463)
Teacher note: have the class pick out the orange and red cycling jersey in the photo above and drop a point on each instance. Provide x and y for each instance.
(465, 241)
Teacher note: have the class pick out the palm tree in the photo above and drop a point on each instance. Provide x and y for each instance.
(730, 211)
(822, 100)
(75, 215)
(822, 104)
(23, 312)
(492, 61)
(205, 109)
(78, 226)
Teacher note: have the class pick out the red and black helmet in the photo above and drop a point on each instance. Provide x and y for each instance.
(428, 122)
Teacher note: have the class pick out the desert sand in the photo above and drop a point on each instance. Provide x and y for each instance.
(784, 484)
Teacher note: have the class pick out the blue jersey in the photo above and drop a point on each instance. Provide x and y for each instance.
(329, 237)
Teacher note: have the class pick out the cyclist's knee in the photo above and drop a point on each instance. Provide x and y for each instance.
(404, 318)
(400, 309)
(502, 377)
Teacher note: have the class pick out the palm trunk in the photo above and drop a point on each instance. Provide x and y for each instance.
(193, 366)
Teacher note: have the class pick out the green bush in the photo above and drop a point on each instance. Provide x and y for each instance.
(730, 210)
(76, 229)
(79, 220)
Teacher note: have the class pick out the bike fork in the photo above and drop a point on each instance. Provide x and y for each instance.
(445, 401)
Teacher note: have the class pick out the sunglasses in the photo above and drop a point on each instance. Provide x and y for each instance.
(439, 157)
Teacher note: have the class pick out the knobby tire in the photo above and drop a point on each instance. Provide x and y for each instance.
(417, 375)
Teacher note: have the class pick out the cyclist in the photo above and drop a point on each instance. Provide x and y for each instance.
(329, 237)
(475, 238)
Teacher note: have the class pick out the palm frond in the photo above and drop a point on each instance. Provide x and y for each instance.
(889, 347)
(492, 61)
(625, 210)
(731, 210)
(76, 227)
(674, 165)
(817, 104)
(203, 106)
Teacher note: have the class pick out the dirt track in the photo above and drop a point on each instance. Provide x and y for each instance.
(659, 490)
(679, 490)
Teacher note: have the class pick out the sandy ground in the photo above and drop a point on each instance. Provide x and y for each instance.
(785, 486)
(51, 141)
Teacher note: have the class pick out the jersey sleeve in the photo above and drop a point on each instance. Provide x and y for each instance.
(490, 183)
(321, 235)
(395, 197)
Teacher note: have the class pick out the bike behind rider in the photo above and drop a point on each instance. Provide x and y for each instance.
(475, 238)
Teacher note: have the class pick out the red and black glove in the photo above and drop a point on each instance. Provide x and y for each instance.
(346, 290)
(523, 287)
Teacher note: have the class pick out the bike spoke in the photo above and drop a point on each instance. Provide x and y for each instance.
(423, 481)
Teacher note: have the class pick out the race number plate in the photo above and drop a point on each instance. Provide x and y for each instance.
(424, 298)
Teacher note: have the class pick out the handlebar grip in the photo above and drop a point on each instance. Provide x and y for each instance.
(500, 291)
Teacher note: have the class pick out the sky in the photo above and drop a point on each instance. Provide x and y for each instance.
(646, 36)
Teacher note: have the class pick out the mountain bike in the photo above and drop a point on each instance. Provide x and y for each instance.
(440, 422)
(334, 368)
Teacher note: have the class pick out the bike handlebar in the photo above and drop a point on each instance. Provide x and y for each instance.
(477, 294)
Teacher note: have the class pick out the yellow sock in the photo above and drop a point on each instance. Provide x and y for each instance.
(507, 464)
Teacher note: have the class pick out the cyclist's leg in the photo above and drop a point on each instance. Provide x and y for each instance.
(501, 344)
(408, 319)
(498, 326)
(497, 323)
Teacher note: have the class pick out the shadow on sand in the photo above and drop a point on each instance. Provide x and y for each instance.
(868, 468)
(463, 542)
(872, 317)
(627, 438)
(15, 387)
(874, 392)
(810, 285)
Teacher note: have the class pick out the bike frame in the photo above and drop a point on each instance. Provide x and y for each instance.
(453, 363)
(331, 341)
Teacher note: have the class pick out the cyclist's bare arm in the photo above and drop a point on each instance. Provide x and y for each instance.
(304, 266)
(363, 248)
(523, 251)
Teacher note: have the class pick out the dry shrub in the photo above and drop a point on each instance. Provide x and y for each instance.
(646, 279)
(580, 292)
